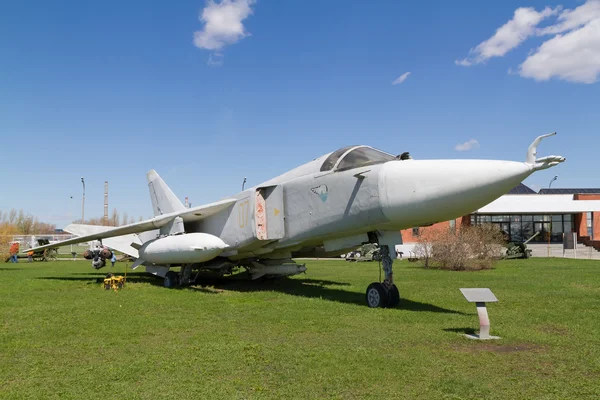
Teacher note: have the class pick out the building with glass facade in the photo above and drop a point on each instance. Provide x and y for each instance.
(520, 227)
(547, 215)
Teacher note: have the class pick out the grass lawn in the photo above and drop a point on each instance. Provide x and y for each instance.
(308, 337)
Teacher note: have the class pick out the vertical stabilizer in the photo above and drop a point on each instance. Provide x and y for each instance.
(163, 199)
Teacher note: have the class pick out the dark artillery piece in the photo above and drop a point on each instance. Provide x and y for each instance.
(44, 255)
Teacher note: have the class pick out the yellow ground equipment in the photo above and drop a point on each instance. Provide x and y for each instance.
(114, 282)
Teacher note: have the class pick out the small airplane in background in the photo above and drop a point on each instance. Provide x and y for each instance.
(327, 207)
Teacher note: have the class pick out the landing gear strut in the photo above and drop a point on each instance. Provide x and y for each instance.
(384, 294)
(183, 277)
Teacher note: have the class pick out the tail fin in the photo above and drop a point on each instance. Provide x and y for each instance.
(163, 199)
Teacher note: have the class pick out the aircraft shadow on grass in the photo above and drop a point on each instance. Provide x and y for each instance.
(310, 288)
(468, 331)
(98, 277)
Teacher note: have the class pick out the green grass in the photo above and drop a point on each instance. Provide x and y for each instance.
(308, 337)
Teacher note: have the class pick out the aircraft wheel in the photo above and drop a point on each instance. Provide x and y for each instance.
(394, 296)
(171, 279)
(377, 295)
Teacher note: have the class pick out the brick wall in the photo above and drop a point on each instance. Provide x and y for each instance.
(582, 226)
(433, 230)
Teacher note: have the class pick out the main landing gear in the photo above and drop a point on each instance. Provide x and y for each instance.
(171, 279)
(183, 277)
(384, 294)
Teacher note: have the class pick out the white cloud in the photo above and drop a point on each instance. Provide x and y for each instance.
(571, 54)
(222, 26)
(464, 62)
(401, 78)
(571, 19)
(468, 145)
(573, 57)
(215, 59)
(508, 36)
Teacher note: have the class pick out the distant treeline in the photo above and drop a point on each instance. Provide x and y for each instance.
(113, 220)
(15, 222)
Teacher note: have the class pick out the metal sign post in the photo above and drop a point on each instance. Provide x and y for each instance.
(570, 242)
(480, 296)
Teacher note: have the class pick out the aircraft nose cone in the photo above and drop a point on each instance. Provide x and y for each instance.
(419, 192)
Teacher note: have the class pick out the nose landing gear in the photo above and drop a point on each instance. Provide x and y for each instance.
(384, 294)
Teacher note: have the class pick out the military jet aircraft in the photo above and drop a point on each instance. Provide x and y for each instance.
(327, 207)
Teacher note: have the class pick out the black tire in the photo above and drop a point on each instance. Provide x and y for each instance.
(377, 296)
(394, 296)
(171, 279)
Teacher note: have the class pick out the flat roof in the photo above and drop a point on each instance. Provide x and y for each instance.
(547, 204)
(569, 191)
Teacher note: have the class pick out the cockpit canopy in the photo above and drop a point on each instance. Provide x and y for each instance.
(354, 157)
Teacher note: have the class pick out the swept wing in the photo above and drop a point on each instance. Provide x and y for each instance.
(188, 215)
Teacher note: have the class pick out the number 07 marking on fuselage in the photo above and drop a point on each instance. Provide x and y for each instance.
(243, 211)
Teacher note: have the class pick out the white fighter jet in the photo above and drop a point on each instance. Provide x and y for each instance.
(326, 207)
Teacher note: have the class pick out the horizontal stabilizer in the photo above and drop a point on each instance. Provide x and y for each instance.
(124, 243)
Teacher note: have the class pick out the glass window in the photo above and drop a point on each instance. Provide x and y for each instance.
(452, 225)
(568, 226)
(527, 217)
(540, 218)
(415, 231)
(538, 227)
(557, 219)
(568, 217)
(516, 234)
(515, 218)
(362, 156)
(485, 219)
(527, 230)
(557, 231)
(330, 161)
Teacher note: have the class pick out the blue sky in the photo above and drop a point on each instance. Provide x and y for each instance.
(108, 90)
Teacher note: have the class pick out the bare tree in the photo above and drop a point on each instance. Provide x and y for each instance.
(471, 248)
(25, 224)
(114, 218)
(12, 216)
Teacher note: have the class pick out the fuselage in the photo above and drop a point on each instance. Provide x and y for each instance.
(323, 201)
(334, 203)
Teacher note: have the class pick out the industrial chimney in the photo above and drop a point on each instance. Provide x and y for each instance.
(105, 202)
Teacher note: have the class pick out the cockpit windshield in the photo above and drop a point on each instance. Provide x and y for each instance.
(358, 157)
(333, 158)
